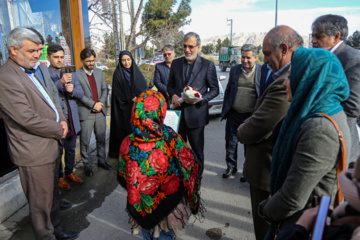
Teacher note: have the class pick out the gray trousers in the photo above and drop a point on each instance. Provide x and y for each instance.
(354, 140)
(96, 122)
(38, 184)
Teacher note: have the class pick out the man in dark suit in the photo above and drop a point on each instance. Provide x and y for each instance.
(162, 70)
(197, 72)
(329, 32)
(70, 90)
(241, 93)
(257, 131)
(92, 111)
(34, 126)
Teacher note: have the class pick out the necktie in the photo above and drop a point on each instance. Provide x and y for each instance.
(29, 70)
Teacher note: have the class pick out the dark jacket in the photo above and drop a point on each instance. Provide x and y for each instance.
(203, 77)
(232, 87)
(76, 94)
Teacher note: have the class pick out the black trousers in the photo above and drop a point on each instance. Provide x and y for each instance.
(196, 140)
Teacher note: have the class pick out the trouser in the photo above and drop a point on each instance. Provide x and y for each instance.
(196, 140)
(96, 122)
(233, 121)
(260, 225)
(70, 147)
(39, 184)
(163, 235)
(354, 139)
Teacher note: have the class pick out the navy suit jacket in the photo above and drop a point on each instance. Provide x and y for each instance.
(232, 87)
(77, 93)
(161, 77)
(203, 77)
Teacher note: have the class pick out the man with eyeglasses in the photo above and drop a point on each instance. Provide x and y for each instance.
(329, 32)
(92, 111)
(162, 70)
(200, 73)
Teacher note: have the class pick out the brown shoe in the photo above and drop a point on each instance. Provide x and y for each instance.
(74, 178)
(63, 184)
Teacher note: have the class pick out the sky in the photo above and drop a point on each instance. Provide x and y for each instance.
(209, 17)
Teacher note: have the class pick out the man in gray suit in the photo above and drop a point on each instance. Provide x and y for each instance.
(34, 126)
(242, 91)
(329, 32)
(257, 131)
(92, 111)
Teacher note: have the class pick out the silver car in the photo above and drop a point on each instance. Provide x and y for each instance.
(215, 104)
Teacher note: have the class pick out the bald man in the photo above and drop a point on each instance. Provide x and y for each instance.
(256, 131)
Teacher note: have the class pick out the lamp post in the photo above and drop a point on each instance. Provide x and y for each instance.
(231, 22)
(276, 10)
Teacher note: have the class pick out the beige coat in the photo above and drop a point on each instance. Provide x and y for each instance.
(30, 122)
(256, 132)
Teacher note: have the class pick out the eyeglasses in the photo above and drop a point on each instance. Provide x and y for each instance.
(189, 46)
(167, 54)
(89, 61)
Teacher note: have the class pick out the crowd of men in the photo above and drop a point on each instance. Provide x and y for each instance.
(45, 109)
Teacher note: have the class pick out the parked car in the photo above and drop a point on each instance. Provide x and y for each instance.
(101, 66)
(146, 62)
(215, 104)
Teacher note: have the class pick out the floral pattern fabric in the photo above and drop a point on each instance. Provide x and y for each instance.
(156, 166)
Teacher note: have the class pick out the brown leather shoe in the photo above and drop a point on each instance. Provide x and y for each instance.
(74, 178)
(63, 184)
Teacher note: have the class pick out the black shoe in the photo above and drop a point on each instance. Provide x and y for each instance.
(228, 172)
(64, 235)
(88, 171)
(104, 165)
(65, 205)
(242, 179)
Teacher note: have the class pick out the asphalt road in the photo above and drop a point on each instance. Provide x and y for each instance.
(98, 210)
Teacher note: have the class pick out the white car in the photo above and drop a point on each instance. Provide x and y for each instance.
(215, 104)
(101, 66)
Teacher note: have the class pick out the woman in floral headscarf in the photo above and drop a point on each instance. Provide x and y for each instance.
(159, 172)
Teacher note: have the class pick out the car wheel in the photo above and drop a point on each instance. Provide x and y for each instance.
(222, 66)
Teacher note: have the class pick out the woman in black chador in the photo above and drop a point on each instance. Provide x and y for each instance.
(128, 83)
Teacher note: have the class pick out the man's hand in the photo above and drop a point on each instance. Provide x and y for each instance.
(66, 78)
(69, 87)
(308, 218)
(65, 128)
(188, 102)
(98, 106)
(175, 101)
(134, 99)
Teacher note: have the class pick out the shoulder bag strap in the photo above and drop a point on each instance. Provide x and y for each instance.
(341, 161)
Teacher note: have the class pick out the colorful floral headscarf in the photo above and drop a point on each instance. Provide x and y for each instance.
(156, 166)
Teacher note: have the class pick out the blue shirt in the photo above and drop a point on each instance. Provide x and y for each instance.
(43, 92)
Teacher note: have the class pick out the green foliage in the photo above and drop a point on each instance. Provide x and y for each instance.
(218, 45)
(225, 42)
(208, 48)
(354, 40)
(49, 40)
(179, 44)
(162, 23)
